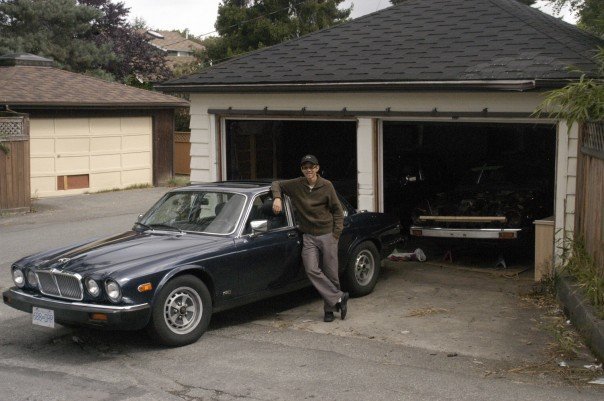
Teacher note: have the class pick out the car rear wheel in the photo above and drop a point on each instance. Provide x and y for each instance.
(181, 313)
(363, 269)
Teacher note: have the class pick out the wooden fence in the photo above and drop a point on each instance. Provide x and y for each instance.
(589, 205)
(182, 153)
(14, 163)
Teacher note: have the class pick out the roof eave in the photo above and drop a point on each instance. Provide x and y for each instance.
(104, 106)
(473, 85)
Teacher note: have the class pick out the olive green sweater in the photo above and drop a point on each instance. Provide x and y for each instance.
(319, 211)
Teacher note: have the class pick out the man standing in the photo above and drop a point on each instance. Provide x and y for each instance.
(321, 221)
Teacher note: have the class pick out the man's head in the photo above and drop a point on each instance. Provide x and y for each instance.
(310, 166)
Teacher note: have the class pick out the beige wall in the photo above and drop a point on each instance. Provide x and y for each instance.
(114, 152)
(204, 160)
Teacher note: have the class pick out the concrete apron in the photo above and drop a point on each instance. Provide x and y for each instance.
(438, 309)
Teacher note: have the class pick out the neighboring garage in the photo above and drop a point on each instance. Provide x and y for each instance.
(87, 134)
(429, 88)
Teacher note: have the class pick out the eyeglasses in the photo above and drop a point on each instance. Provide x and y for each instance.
(308, 167)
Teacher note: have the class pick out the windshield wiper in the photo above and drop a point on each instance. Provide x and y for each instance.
(143, 225)
(168, 226)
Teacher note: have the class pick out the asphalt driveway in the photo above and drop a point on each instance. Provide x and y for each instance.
(428, 331)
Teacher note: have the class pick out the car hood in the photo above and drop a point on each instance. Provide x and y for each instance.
(129, 250)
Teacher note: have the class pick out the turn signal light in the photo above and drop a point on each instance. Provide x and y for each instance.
(417, 233)
(145, 287)
(99, 316)
(506, 235)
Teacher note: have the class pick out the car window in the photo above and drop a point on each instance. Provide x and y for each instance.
(197, 211)
(262, 210)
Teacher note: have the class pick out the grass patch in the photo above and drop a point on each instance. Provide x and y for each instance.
(581, 266)
(179, 181)
(133, 186)
(426, 312)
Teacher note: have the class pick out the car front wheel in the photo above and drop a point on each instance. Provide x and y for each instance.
(363, 269)
(181, 312)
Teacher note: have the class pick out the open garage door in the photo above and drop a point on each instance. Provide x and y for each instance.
(265, 149)
(460, 181)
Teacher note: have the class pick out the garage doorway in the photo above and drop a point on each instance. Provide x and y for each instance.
(265, 149)
(423, 159)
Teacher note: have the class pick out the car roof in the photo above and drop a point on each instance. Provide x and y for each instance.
(244, 186)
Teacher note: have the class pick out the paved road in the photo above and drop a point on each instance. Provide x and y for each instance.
(279, 349)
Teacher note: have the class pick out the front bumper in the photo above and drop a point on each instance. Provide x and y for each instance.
(470, 233)
(126, 317)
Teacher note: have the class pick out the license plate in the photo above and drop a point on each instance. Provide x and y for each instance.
(43, 317)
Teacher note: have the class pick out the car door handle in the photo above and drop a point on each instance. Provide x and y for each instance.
(292, 234)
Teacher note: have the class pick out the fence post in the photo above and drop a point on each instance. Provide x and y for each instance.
(14, 162)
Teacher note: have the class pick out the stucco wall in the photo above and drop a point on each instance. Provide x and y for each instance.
(204, 161)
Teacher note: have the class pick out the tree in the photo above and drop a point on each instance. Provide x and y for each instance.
(246, 25)
(87, 36)
(590, 13)
(527, 2)
(579, 101)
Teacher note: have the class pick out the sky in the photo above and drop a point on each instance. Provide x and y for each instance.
(199, 15)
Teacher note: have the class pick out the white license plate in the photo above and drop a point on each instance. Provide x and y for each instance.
(43, 317)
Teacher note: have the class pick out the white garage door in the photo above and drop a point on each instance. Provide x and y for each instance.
(77, 155)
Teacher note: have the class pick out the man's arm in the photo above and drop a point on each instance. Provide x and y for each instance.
(338, 214)
(278, 188)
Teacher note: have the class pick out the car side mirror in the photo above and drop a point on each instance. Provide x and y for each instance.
(140, 217)
(259, 226)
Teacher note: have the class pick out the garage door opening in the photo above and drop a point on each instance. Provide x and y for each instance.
(265, 149)
(429, 169)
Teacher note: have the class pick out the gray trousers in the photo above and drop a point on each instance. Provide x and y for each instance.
(323, 276)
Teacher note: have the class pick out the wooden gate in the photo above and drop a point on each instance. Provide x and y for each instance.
(14, 163)
(182, 153)
(590, 191)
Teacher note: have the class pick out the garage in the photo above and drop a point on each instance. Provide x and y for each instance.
(425, 161)
(263, 149)
(93, 153)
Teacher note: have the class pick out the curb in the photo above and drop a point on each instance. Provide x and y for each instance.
(581, 314)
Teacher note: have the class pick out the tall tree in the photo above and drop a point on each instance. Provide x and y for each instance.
(246, 25)
(91, 36)
(590, 13)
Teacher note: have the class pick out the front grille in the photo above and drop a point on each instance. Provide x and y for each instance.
(61, 285)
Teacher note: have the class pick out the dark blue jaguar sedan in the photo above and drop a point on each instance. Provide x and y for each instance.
(198, 250)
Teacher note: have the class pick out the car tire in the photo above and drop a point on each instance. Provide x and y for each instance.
(363, 269)
(181, 312)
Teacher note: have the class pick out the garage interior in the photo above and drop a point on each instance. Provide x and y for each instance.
(437, 157)
(263, 149)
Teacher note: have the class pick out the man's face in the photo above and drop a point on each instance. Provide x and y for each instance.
(310, 170)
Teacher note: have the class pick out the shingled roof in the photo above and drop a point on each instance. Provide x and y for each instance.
(493, 44)
(29, 80)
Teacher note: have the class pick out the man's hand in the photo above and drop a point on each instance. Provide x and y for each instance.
(277, 206)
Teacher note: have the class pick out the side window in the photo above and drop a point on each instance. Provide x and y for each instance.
(262, 210)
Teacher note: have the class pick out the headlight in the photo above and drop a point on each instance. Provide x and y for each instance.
(113, 291)
(92, 287)
(32, 279)
(18, 277)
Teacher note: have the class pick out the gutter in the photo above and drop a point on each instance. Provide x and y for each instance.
(470, 85)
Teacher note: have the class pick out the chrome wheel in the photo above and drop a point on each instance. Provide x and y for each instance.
(364, 267)
(183, 310)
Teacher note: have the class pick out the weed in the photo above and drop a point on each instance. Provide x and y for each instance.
(179, 181)
(133, 186)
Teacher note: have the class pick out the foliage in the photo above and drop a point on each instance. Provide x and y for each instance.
(247, 25)
(579, 101)
(581, 266)
(86, 36)
(590, 13)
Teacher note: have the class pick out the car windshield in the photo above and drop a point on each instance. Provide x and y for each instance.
(196, 211)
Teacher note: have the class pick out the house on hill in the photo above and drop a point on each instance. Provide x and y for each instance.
(179, 49)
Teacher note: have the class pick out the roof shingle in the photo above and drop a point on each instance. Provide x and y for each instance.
(418, 40)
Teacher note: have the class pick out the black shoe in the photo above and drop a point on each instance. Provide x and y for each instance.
(343, 306)
(329, 317)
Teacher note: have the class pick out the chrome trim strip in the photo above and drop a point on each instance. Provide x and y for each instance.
(78, 305)
(55, 272)
(482, 233)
